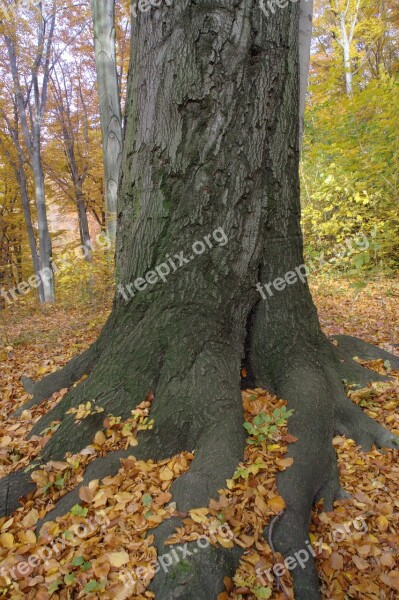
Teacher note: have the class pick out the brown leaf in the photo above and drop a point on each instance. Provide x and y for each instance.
(336, 561)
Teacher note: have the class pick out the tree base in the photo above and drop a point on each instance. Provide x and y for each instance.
(309, 378)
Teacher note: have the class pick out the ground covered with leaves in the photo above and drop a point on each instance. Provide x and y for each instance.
(103, 547)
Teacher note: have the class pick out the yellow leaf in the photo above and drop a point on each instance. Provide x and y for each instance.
(30, 519)
(166, 474)
(27, 537)
(99, 438)
(7, 524)
(223, 542)
(118, 559)
(7, 540)
(277, 503)
(198, 515)
(382, 523)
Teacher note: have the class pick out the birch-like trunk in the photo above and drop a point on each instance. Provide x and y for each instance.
(347, 17)
(22, 182)
(45, 246)
(346, 50)
(305, 41)
(110, 105)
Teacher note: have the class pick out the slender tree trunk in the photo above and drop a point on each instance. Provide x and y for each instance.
(84, 230)
(210, 214)
(45, 246)
(39, 74)
(62, 86)
(305, 40)
(347, 17)
(110, 106)
(18, 166)
(346, 50)
(29, 226)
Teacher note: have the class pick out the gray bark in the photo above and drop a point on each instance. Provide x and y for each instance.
(110, 105)
(305, 41)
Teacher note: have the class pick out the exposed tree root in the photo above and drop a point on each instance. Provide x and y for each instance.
(106, 466)
(310, 379)
(12, 488)
(197, 576)
(199, 409)
(347, 348)
(74, 370)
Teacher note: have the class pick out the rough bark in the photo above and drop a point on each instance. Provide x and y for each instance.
(212, 142)
(110, 106)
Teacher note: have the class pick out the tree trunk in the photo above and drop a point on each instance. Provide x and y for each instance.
(305, 41)
(45, 246)
(21, 178)
(110, 106)
(84, 230)
(18, 165)
(347, 59)
(39, 77)
(209, 205)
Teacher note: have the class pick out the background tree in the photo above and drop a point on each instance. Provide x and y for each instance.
(212, 141)
(14, 155)
(70, 117)
(110, 103)
(350, 159)
(30, 80)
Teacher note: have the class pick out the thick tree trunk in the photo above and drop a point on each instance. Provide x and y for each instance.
(110, 106)
(209, 204)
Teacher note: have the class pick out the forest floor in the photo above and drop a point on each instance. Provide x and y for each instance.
(357, 546)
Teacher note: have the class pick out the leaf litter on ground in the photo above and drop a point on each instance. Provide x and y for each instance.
(357, 544)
